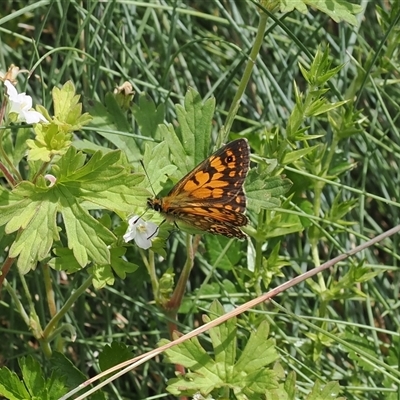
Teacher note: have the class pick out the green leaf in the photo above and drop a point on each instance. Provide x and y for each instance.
(338, 10)
(32, 375)
(11, 387)
(347, 286)
(191, 355)
(266, 354)
(290, 5)
(89, 147)
(319, 73)
(62, 366)
(290, 385)
(195, 120)
(320, 106)
(158, 166)
(248, 376)
(104, 180)
(102, 276)
(65, 261)
(34, 242)
(15, 145)
(55, 386)
(69, 163)
(111, 122)
(87, 238)
(176, 149)
(295, 155)
(148, 116)
(339, 209)
(282, 225)
(54, 138)
(223, 252)
(17, 212)
(67, 109)
(190, 145)
(321, 391)
(35, 384)
(271, 266)
(49, 141)
(263, 191)
(120, 265)
(114, 354)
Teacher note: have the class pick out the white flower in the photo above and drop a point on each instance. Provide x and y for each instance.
(21, 104)
(198, 396)
(141, 231)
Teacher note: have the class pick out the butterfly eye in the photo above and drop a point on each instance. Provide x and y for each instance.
(155, 204)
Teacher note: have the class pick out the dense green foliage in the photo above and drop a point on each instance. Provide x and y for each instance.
(319, 107)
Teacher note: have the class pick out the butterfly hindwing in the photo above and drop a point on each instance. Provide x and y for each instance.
(211, 196)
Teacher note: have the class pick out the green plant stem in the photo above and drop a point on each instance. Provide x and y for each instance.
(41, 170)
(3, 110)
(34, 321)
(259, 254)
(45, 346)
(149, 262)
(314, 237)
(332, 150)
(17, 302)
(66, 307)
(12, 182)
(4, 270)
(176, 299)
(245, 80)
(172, 306)
(64, 327)
(49, 290)
(3, 154)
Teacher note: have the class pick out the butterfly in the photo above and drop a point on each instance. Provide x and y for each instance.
(211, 197)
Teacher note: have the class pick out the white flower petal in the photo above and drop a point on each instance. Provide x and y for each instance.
(21, 104)
(152, 229)
(142, 231)
(11, 91)
(129, 235)
(142, 241)
(24, 100)
(134, 221)
(32, 117)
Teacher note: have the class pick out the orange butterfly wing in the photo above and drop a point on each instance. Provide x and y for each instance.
(211, 197)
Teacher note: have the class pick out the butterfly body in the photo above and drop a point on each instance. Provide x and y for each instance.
(211, 198)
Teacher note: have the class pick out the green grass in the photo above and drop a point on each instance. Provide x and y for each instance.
(339, 326)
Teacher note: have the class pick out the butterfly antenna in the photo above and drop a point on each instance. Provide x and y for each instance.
(139, 216)
(152, 189)
(148, 178)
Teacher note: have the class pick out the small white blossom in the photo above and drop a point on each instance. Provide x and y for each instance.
(141, 231)
(21, 104)
(198, 396)
(52, 179)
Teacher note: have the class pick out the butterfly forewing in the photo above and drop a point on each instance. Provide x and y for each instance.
(211, 197)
